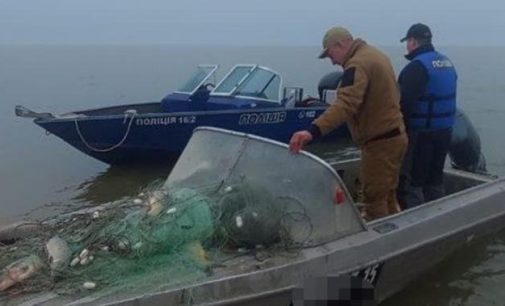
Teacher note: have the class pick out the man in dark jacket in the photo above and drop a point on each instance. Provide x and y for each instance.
(428, 103)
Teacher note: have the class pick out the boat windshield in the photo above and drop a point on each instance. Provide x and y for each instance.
(233, 79)
(199, 77)
(258, 173)
(250, 81)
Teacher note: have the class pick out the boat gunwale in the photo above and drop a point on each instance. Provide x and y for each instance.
(85, 117)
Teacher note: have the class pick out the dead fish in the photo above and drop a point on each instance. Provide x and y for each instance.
(198, 253)
(154, 209)
(18, 230)
(58, 252)
(155, 203)
(20, 270)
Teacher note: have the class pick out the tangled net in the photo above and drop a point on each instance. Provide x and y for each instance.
(162, 238)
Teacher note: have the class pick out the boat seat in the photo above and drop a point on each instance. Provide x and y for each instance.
(310, 101)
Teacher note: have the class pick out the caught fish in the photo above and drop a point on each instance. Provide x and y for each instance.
(20, 270)
(198, 253)
(59, 253)
(155, 205)
(18, 230)
(155, 209)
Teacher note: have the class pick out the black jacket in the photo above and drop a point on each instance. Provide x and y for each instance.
(413, 80)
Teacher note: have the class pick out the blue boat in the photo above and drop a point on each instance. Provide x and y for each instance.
(249, 99)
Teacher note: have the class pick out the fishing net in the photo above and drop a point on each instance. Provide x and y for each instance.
(164, 237)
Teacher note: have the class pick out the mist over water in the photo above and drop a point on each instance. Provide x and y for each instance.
(41, 175)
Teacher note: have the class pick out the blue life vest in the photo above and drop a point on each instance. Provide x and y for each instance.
(436, 109)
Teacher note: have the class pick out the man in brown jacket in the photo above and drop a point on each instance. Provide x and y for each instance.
(368, 101)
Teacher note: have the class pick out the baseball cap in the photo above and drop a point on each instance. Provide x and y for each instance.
(417, 30)
(332, 37)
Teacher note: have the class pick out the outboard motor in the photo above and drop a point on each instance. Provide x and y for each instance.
(329, 81)
(326, 89)
(464, 150)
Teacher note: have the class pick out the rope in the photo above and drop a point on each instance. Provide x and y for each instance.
(127, 113)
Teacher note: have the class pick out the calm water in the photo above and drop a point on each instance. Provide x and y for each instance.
(41, 175)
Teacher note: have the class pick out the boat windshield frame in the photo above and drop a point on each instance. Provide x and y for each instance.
(213, 69)
(245, 78)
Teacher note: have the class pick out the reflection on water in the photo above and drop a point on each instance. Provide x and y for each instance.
(113, 184)
(118, 182)
(473, 275)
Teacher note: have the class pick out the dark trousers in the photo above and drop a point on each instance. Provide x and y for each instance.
(422, 176)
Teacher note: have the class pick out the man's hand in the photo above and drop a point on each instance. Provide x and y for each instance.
(298, 140)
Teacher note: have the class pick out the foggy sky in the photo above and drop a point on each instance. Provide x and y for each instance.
(239, 22)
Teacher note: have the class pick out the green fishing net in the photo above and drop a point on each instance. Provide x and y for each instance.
(162, 238)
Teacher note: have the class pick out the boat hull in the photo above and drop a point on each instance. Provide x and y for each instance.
(390, 261)
(161, 137)
(418, 240)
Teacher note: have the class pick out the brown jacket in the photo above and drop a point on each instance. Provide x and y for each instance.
(368, 96)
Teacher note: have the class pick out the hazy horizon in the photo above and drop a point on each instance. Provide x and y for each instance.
(232, 23)
(161, 44)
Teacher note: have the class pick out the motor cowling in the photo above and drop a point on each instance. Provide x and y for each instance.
(465, 148)
(329, 81)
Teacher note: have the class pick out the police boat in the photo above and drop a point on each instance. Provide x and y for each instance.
(249, 98)
(337, 249)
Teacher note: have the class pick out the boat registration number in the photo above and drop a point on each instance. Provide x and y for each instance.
(370, 274)
(166, 120)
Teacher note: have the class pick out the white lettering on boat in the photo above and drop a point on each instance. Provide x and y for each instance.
(166, 120)
(306, 114)
(310, 114)
(262, 118)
